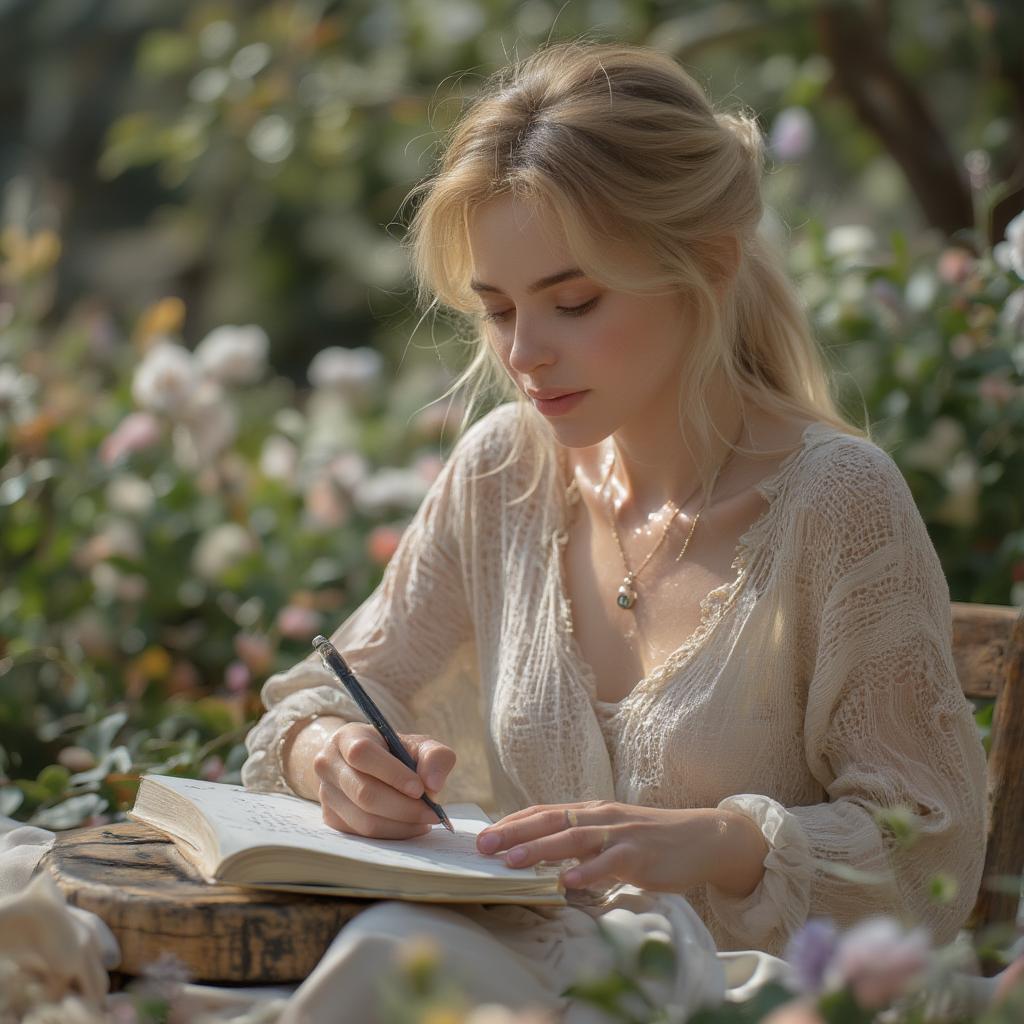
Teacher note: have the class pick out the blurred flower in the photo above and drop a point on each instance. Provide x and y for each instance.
(629, 932)
(809, 951)
(1010, 979)
(91, 632)
(492, 1013)
(390, 488)
(164, 978)
(212, 768)
(184, 679)
(136, 432)
(220, 548)
(16, 395)
(878, 961)
(118, 537)
(26, 255)
(960, 506)
(279, 459)
(207, 426)
(166, 379)
(956, 264)
(349, 469)
(352, 371)
(298, 623)
(382, 542)
(76, 759)
(325, 506)
(978, 164)
(130, 495)
(848, 241)
(1009, 254)
(237, 677)
(234, 355)
(165, 317)
(997, 388)
(792, 134)
(1011, 316)
(256, 651)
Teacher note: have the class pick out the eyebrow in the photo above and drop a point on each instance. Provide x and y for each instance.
(537, 286)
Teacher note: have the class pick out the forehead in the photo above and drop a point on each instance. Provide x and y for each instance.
(503, 230)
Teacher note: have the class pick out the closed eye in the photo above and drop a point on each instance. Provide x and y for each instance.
(565, 310)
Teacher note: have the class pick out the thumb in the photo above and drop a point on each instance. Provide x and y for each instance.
(434, 760)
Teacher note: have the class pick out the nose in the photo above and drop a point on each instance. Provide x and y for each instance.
(528, 349)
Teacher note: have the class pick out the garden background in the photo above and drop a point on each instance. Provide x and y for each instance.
(217, 400)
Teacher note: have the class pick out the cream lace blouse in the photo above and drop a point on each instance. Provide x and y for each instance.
(819, 685)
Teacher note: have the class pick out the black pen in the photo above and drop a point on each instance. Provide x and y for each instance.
(334, 661)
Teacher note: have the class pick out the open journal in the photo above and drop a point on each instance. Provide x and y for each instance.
(278, 841)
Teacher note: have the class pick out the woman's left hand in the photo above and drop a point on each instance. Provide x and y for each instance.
(659, 849)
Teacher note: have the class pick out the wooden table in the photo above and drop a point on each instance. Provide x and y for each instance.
(154, 901)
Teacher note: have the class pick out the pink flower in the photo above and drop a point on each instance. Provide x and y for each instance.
(212, 769)
(256, 651)
(382, 543)
(237, 677)
(995, 388)
(878, 961)
(137, 431)
(298, 623)
(796, 1011)
(792, 133)
(955, 265)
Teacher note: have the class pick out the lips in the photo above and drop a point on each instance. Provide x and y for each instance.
(546, 394)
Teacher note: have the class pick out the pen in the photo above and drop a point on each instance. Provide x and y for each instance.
(334, 661)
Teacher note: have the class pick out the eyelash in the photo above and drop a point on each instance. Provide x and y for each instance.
(567, 310)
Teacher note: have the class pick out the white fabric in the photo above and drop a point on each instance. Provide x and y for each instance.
(819, 685)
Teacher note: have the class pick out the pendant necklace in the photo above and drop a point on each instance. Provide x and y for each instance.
(627, 595)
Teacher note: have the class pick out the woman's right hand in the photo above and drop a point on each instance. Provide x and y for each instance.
(367, 791)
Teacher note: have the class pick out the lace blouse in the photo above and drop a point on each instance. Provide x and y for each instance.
(818, 686)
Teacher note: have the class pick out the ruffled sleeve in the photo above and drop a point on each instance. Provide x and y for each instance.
(886, 725)
(410, 643)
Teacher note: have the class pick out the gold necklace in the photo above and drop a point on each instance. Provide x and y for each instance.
(627, 596)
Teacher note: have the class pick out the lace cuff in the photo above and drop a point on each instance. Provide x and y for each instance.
(263, 769)
(781, 902)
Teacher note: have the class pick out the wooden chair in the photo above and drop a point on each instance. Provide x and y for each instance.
(988, 648)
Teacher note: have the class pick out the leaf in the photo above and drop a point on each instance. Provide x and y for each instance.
(942, 887)
(54, 779)
(657, 959)
(70, 813)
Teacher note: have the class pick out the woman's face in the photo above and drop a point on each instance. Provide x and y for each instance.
(567, 333)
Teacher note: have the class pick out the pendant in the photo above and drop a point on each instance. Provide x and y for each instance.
(627, 595)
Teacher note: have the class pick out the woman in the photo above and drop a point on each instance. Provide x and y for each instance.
(682, 626)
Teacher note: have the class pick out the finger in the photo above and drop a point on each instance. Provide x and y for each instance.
(541, 822)
(581, 842)
(378, 798)
(434, 760)
(605, 867)
(527, 811)
(368, 753)
(340, 813)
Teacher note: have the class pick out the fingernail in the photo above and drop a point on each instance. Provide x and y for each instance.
(517, 855)
(571, 878)
(412, 788)
(489, 843)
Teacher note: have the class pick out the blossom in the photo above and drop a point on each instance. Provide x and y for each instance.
(166, 379)
(809, 952)
(352, 371)
(389, 488)
(237, 677)
(298, 623)
(325, 507)
(349, 469)
(234, 354)
(1009, 253)
(796, 1011)
(119, 538)
(208, 424)
(878, 961)
(255, 651)
(130, 495)
(382, 542)
(850, 241)
(279, 459)
(136, 432)
(792, 133)
(16, 393)
(219, 549)
(955, 264)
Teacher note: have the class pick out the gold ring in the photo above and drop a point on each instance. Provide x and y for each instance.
(570, 817)
(605, 839)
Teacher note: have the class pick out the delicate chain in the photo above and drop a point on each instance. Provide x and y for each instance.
(627, 596)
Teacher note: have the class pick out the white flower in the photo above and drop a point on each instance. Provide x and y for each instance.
(349, 469)
(279, 459)
(166, 379)
(219, 549)
(792, 133)
(960, 506)
(16, 394)
(935, 450)
(389, 488)
(207, 426)
(1011, 316)
(1009, 254)
(234, 355)
(352, 371)
(130, 495)
(849, 241)
(629, 931)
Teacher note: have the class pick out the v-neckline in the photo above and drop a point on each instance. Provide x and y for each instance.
(712, 606)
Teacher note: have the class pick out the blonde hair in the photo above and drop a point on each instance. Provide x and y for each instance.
(618, 141)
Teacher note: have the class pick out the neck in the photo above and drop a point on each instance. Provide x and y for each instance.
(650, 470)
